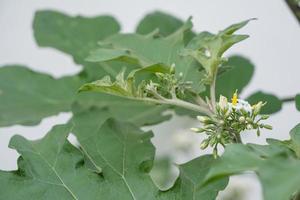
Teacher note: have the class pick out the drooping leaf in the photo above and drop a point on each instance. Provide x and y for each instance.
(236, 77)
(165, 23)
(26, 97)
(273, 105)
(275, 164)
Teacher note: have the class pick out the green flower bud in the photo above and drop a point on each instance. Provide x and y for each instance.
(197, 130)
(258, 132)
(215, 153)
(204, 119)
(264, 117)
(204, 144)
(257, 107)
(249, 120)
(267, 126)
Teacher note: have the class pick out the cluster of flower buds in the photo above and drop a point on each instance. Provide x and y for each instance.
(229, 120)
(169, 85)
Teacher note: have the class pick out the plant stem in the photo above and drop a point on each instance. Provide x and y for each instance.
(179, 103)
(213, 93)
(288, 99)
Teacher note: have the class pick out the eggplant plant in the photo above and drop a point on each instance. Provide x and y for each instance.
(129, 81)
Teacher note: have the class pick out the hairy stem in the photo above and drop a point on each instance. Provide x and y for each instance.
(180, 103)
(213, 93)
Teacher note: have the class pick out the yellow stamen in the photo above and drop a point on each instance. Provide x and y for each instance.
(234, 99)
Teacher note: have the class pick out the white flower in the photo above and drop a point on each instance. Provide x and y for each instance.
(241, 105)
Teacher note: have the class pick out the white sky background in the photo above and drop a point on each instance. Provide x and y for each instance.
(273, 46)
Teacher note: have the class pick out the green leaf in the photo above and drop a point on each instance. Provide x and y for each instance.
(50, 168)
(120, 87)
(208, 48)
(130, 48)
(137, 112)
(297, 99)
(113, 162)
(295, 139)
(117, 159)
(26, 96)
(77, 36)
(165, 23)
(193, 175)
(275, 164)
(236, 77)
(273, 105)
(73, 35)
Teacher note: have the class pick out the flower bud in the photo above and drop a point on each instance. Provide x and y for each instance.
(267, 126)
(242, 119)
(249, 126)
(249, 120)
(203, 119)
(223, 103)
(257, 107)
(204, 144)
(197, 130)
(215, 153)
(264, 117)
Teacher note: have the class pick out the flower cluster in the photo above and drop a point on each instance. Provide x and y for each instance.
(229, 120)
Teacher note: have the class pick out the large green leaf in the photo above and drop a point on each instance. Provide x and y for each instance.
(273, 105)
(165, 23)
(26, 96)
(275, 164)
(73, 35)
(110, 149)
(113, 162)
(50, 168)
(76, 36)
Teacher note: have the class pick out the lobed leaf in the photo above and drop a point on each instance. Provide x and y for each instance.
(26, 96)
(113, 162)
